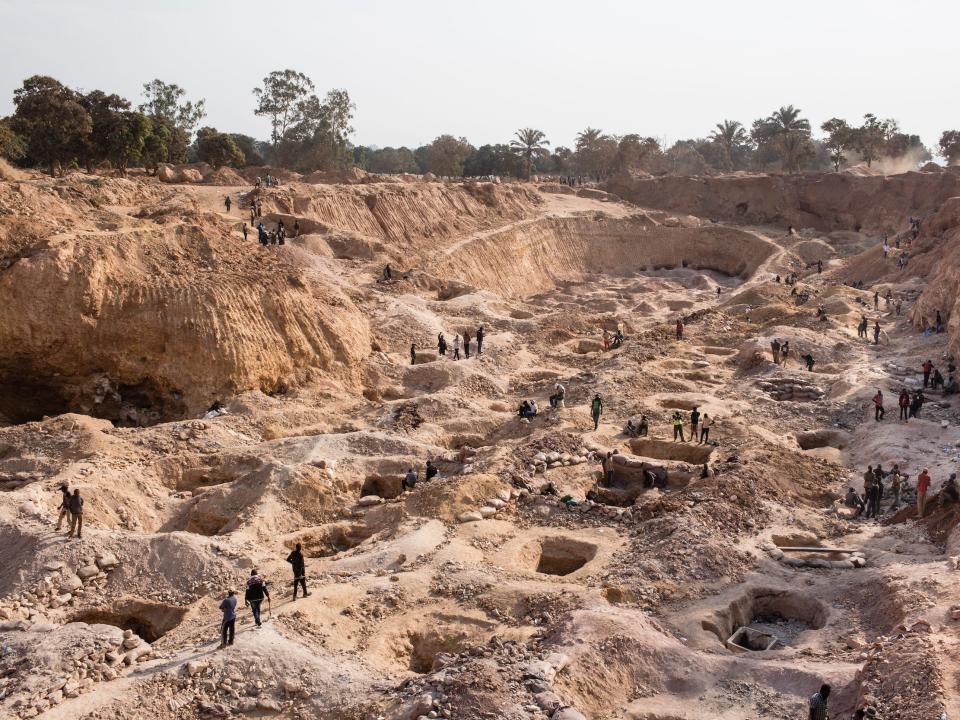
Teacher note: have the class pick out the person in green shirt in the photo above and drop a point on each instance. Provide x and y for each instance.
(596, 409)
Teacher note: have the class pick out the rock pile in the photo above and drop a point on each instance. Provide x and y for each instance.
(44, 664)
(790, 389)
(61, 587)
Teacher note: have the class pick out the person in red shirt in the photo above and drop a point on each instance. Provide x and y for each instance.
(904, 403)
(927, 369)
(923, 484)
(878, 411)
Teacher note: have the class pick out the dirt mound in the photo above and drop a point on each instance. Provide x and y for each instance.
(225, 176)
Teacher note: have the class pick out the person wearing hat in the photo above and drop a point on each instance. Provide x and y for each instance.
(64, 504)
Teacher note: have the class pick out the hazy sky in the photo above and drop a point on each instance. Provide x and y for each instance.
(419, 68)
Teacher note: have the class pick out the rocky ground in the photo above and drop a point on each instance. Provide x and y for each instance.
(514, 584)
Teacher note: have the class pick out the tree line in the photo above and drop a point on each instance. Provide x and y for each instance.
(56, 127)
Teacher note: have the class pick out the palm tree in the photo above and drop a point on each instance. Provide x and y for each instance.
(588, 138)
(530, 144)
(729, 135)
(791, 133)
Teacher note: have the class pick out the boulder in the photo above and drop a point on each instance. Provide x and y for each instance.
(487, 511)
(107, 561)
(87, 572)
(70, 582)
(368, 500)
(568, 713)
(469, 516)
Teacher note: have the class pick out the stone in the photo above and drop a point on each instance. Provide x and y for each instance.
(469, 516)
(268, 704)
(539, 670)
(504, 494)
(131, 642)
(496, 503)
(70, 582)
(558, 661)
(195, 667)
(107, 561)
(487, 511)
(547, 701)
(568, 713)
(368, 500)
(87, 572)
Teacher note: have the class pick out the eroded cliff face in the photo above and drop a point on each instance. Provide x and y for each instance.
(825, 201)
(936, 256)
(529, 258)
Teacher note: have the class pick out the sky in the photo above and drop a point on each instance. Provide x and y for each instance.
(420, 68)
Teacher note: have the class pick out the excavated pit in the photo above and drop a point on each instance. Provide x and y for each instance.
(558, 555)
(780, 615)
(667, 450)
(150, 620)
(822, 438)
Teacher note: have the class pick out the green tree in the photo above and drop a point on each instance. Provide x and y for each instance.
(446, 155)
(840, 139)
(636, 153)
(871, 137)
(218, 148)
(165, 103)
(494, 160)
(280, 99)
(386, 160)
(130, 131)
(789, 133)
(595, 152)
(732, 138)
(51, 120)
(950, 146)
(683, 158)
(156, 146)
(529, 145)
(900, 144)
(105, 115)
(12, 145)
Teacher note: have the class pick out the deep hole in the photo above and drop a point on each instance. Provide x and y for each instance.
(751, 639)
(385, 486)
(562, 556)
(669, 450)
(151, 621)
(448, 635)
(784, 614)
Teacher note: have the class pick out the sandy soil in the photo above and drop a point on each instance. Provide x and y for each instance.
(517, 583)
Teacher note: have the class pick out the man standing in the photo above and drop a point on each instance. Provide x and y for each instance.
(775, 351)
(927, 369)
(808, 359)
(256, 592)
(413, 354)
(75, 506)
(876, 332)
(480, 340)
(679, 329)
(227, 202)
(228, 626)
(299, 570)
(818, 703)
(896, 485)
(677, 426)
(64, 505)
(694, 422)
(878, 411)
(904, 403)
(466, 344)
(558, 393)
(923, 484)
(705, 426)
(873, 499)
(596, 409)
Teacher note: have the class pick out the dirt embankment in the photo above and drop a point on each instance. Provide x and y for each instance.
(825, 201)
(530, 258)
(936, 255)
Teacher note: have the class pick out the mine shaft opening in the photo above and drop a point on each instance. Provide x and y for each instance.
(562, 556)
(385, 486)
(151, 621)
(447, 636)
(668, 450)
(779, 614)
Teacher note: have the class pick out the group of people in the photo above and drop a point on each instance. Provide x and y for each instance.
(874, 491)
(442, 345)
(698, 422)
(412, 477)
(862, 327)
(71, 505)
(273, 237)
(269, 181)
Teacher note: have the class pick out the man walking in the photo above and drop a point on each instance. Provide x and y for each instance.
(75, 506)
(299, 570)
(596, 409)
(256, 592)
(64, 505)
(923, 484)
(228, 627)
(878, 411)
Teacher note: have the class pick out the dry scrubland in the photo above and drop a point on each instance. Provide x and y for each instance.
(128, 306)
